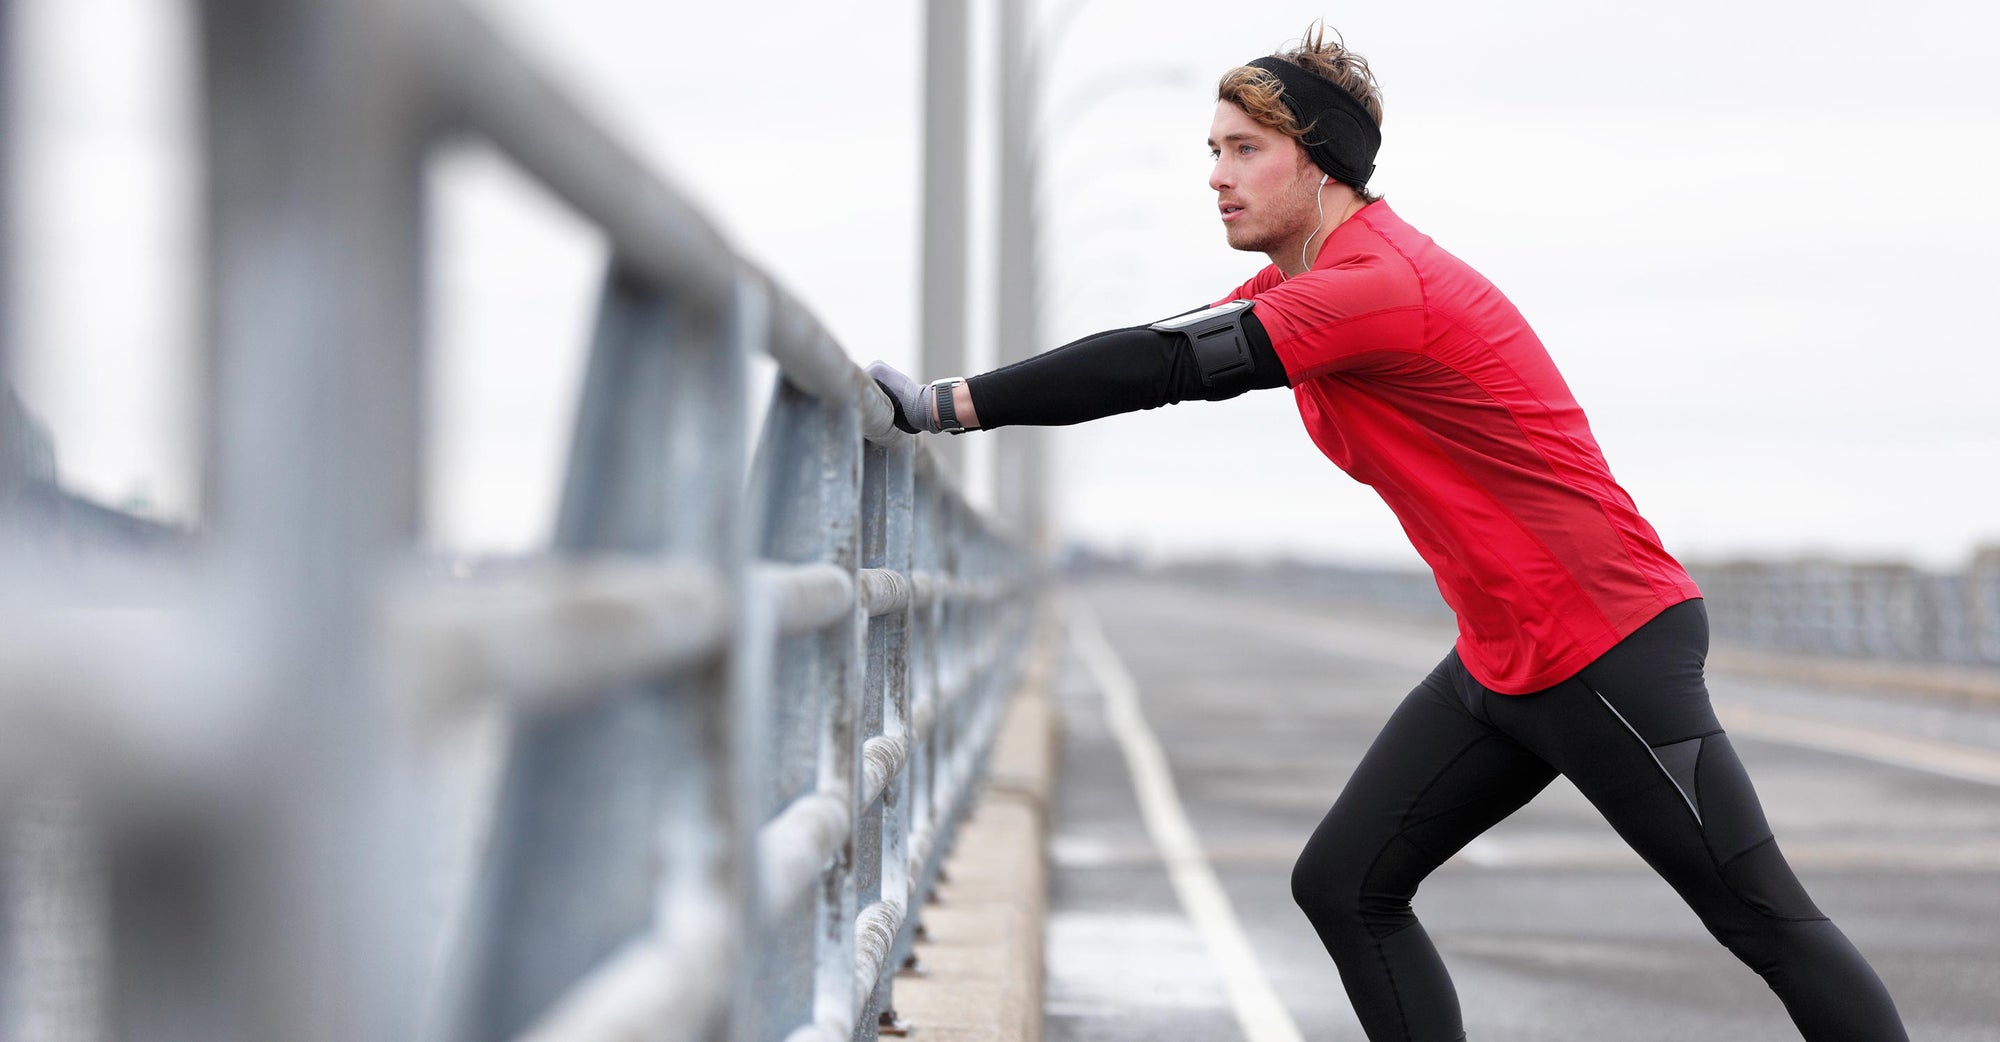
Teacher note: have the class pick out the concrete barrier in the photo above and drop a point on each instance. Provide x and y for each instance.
(979, 959)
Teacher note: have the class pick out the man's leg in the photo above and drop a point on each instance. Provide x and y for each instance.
(1434, 779)
(1635, 732)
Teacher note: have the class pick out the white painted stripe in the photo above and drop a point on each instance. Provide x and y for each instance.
(1262, 1016)
(1950, 759)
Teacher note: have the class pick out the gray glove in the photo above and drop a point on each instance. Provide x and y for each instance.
(911, 399)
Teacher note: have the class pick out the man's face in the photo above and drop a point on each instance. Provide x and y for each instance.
(1263, 183)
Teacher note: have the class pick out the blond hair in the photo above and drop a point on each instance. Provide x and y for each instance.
(1260, 94)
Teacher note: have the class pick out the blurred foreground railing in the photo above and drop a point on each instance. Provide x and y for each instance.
(687, 778)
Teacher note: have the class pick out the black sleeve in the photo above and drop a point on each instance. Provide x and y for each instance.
(1122, 370)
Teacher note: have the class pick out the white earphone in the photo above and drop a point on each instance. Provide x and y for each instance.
(1320, 205)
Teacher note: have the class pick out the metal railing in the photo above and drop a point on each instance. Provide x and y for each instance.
(689, 777)
(1839, 609)
(1884, 610)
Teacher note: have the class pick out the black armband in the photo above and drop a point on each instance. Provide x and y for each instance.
(1221, 345)
(1125, 370)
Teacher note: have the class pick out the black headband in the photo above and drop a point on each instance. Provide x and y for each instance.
(1341, 137)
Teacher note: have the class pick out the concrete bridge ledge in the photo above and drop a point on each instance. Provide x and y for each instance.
(981, 960)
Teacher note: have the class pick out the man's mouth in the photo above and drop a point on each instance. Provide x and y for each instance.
(1230, 211)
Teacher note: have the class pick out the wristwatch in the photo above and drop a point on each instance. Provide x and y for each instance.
(947, 409)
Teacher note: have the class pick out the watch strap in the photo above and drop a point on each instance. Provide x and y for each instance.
(947, 405)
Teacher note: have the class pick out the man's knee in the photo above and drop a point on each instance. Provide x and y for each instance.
(1327, 876)
(1315, 888)
(1341, 887)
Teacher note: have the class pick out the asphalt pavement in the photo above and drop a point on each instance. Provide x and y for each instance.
(1888, 808)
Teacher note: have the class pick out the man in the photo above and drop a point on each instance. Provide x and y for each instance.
(1581, 640)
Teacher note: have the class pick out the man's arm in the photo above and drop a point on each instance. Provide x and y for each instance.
(1121, 370)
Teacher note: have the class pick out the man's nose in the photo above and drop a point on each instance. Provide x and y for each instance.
(1218, 179)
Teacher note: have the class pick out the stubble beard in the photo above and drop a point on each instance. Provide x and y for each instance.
(1283, 224)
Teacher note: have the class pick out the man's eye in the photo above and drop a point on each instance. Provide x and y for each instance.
(1215, 153)
(1245, 149)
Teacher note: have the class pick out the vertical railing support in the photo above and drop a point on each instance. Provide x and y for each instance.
(808, 477)
(883, 836)
(314, 135)
(617, 816)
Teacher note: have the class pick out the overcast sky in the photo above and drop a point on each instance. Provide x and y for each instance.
(1760, 239)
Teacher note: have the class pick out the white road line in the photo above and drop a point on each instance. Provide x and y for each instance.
(1258, 1010)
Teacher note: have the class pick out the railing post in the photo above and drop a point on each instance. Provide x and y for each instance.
(616, 819)
(926, 519)
(807, 479)
(314, 126)
(883, 836)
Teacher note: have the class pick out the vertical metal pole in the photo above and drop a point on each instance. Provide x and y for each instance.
(868, 823)
(807, 482)
(784, 493)
(942, 329)
(924, 558)
(706, 890)
(628, 798)
(313, 138)
(10, 67)
(754, 722)
(883, 840)
(834, 997)
(1018, 464)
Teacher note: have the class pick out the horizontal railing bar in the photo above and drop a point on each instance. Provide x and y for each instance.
(812, 596)
(826, 1030)
(975, 591)
(793, 848)
(654, 231)
(814, 363)
(881, 757)
(650, 983)
(877, 925)
(875, 932)
(558, 633)
(795, 845)
(164, 708)
(653, 228)
(807, 597)
(884, 590)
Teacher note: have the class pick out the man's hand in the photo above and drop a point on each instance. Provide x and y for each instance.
(911, 399)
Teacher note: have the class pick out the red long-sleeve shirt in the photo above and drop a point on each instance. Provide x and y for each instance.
(1416, 376)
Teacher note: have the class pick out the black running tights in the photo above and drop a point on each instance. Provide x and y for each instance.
(1635, 733)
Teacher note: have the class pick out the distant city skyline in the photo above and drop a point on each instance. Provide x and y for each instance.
(1752, 239)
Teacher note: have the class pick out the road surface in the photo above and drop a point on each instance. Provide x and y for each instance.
(1244, 715)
